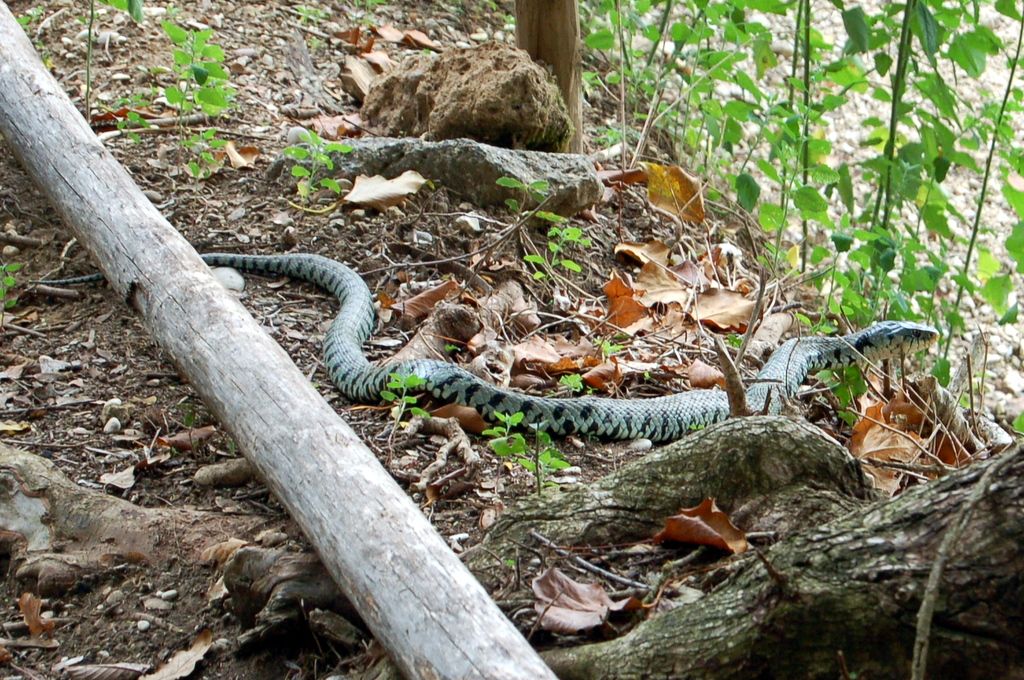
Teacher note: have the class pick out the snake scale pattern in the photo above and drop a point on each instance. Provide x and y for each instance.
(658, 419)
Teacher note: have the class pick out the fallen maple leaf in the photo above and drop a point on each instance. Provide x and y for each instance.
(671, 188)
(106, 671)
(381, 193)
(724, 310)
(566, 606)
(184, 662)
(704, 524)
(662, 285)
(420, 305)
(31, 607)
(239, 157)
(642, 253)
(623, 308)
(188, 440)
(704, 376)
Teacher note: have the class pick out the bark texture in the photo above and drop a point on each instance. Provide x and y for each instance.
(420, 602)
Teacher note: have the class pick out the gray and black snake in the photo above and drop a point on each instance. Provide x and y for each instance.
(658, 419)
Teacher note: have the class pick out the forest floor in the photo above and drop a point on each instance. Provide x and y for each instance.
(77, 355)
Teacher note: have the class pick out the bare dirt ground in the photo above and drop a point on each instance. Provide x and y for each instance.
(76, 355)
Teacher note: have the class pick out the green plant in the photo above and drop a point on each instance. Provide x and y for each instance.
(573, 381)
(541, 460)
(856, 241)
(397, 394)
(7, 285)
(311, 14)
(314, 158)
(561, 238)
(30, 16)
(202, 145)
(201, 81)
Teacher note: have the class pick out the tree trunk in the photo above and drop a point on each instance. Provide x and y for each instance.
(549, 30)
(843, 594)
(434, 619)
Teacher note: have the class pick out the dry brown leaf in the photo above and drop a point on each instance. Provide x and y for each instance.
(239, 157)
(671, 188)
(389, 33)
(652, 251)
(631, 176)
(31, 608)
(689, 273)
(880, 442)
(566, 606)
(420, 305)
(704, 525)
(414, 38)
(704, 376)
(603, 376)
(380, 193)
(188, 440)
(662, 285)
(184, 662)
(337, 127)
(379, 60)
(122, 479)
(219, 553)
(724, 310)
(107, 671)
(468, 418)
(9, 427)
(623, 308)
(352, 35)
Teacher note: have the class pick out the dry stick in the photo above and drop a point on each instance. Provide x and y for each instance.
(19, 240)
(583, 564)
(733, 383)
(755, 314)
(952, 537)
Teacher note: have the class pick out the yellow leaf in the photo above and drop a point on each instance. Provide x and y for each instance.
(671, 188)
(793, 256)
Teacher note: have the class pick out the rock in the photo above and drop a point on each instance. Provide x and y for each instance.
(271, 538)
(233, 472)
(229, 278)
(468, 225)
(10, 251)
(493, 93)
(114, 408)
(470, 170)
(112, 426)
(143, 625)
(296, 135)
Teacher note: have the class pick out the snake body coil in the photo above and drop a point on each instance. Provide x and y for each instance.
(658, 419)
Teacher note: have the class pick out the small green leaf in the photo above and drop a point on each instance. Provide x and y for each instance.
(603, 39)
(572, 266)
(1018, 422)
(842, 242)
(807, 198)
(856, 24)
(388, 395)
(509, 183)
(928, 29)
(770, 216)
(941, 371)
(747, 191)
(176, 33)
(299, 171)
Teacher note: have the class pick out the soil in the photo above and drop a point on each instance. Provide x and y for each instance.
(101, 352)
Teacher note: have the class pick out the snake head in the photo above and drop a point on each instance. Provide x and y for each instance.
(901, 336)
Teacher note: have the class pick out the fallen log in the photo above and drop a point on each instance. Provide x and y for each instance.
(426, 609)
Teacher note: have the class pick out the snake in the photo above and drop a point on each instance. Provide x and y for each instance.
(658, 419)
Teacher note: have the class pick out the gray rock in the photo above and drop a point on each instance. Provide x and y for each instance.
(470, 169)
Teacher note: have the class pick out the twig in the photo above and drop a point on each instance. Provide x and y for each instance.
(19, 240)
(951, 538)
(755, 314)
(733, 382)
(583, 564)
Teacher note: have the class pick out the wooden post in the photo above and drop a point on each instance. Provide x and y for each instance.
(549, 30)
(421, 603)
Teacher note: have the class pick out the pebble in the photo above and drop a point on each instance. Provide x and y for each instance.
(229, 278)
(357, 214)
(112, 426)
(143, 625)
(153, 196)
(271, 538)
(422, 238)
(168, 595)
(468, 225)
(640, 445)
(222, 646)
(115, 598)
(479, 36)
(296, 135)
(10, 251)
(236, 214)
